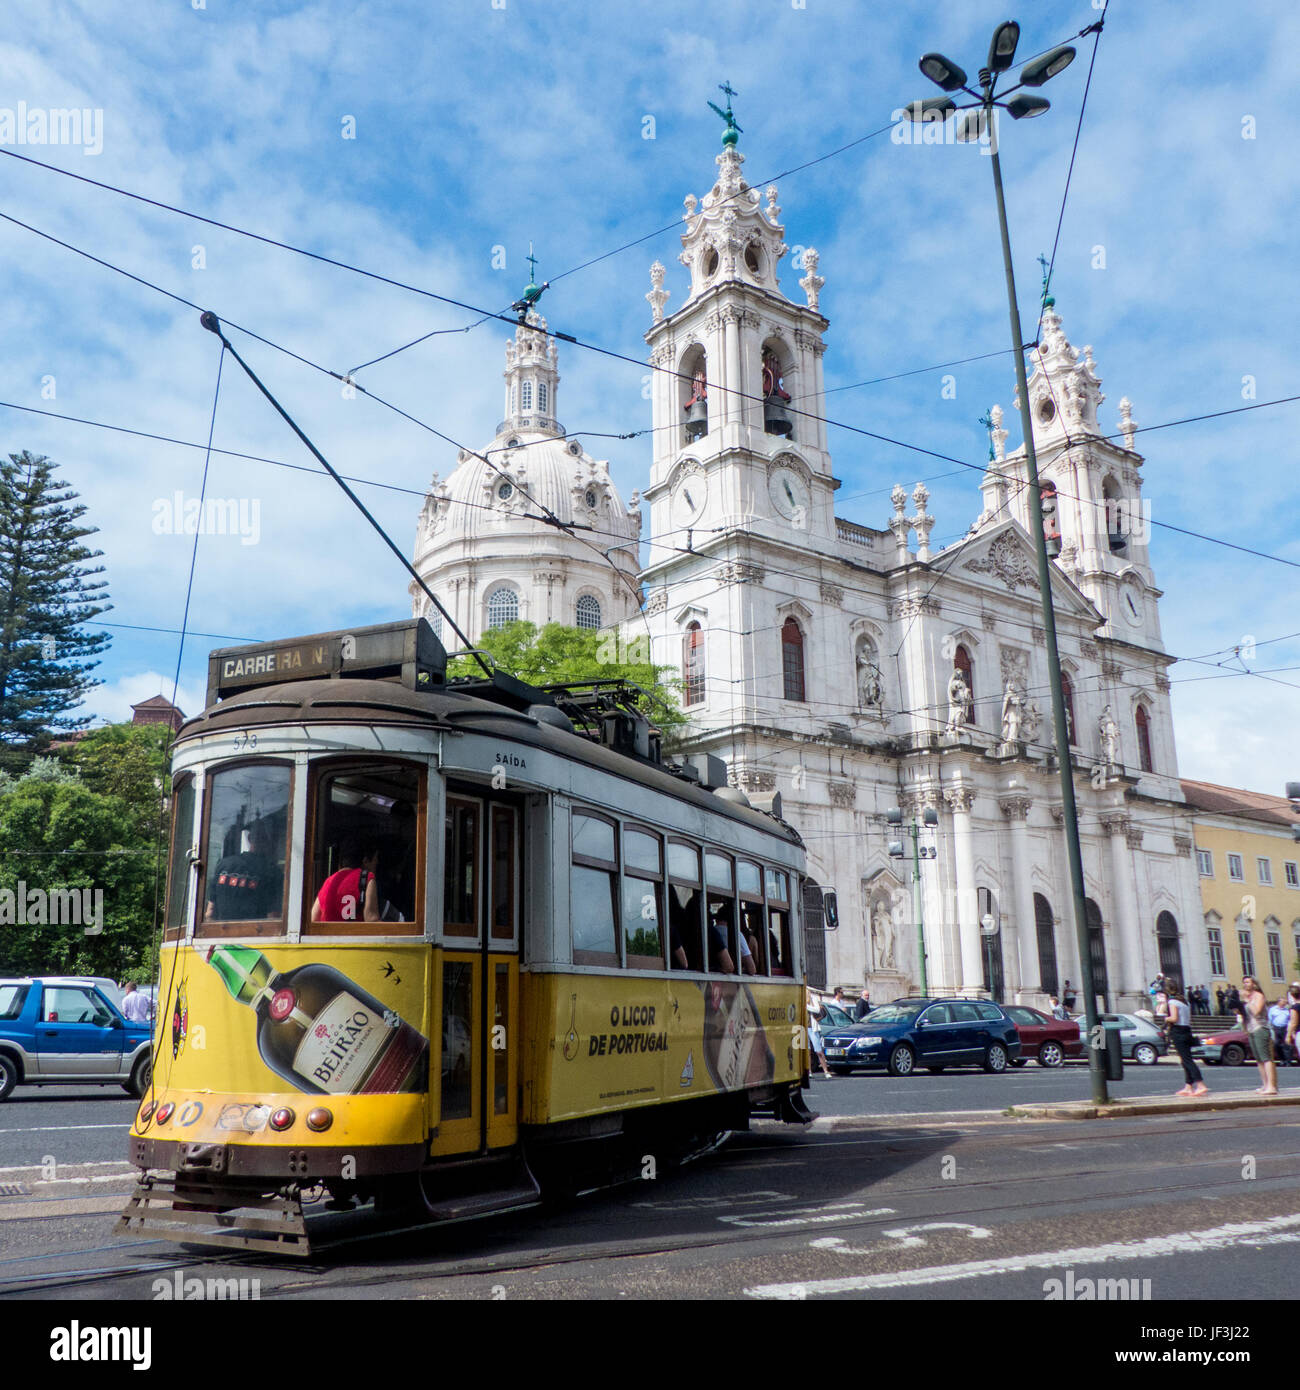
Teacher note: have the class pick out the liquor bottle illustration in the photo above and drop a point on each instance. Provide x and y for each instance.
(736, 1050)
(571, 1037)
(320, 1030)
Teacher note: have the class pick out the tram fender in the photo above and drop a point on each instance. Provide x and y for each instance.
(793, 1111)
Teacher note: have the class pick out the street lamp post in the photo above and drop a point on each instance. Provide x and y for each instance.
(930, 817)
(979, 123)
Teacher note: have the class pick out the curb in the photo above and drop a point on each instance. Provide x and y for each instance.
(1084, 1110)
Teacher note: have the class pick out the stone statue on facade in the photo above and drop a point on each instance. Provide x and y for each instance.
(1013, 712)
(882, 937)
(870, 689)
(958, 702)
(1031, 722)
(1109, 731)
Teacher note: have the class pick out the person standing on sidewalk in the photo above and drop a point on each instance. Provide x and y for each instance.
(1180, 1034)
(1254, 1019)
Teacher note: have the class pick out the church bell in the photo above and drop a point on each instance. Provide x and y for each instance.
(697, 420)
(776, 418)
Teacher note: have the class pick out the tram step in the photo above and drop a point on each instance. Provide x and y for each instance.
(207, 1214)
(462, 1206)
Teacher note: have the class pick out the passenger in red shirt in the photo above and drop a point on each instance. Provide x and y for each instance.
(351, 894)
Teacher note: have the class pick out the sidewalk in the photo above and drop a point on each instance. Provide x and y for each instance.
(1149, 1105)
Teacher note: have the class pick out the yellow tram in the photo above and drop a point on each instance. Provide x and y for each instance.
(443, 944)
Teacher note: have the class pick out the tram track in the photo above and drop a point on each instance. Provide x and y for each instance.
(591, 1252)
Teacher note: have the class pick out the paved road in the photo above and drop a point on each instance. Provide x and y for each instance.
(878, 1093)
(1204, 1206)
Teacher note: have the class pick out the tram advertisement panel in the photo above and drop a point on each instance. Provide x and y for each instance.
(338, 1020)
(617, 1043)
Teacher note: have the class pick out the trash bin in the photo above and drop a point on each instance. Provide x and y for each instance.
(1113, 1049)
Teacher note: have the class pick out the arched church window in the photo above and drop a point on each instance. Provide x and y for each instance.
(1143, 725)
(693, 664)
(541, 396)
(792, 659)
(502, 607)
(961, 661)
(752, 260)
(526, 396)
(589, 612)
(1067, 698)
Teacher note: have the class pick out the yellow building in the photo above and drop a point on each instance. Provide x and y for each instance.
(1248, 860)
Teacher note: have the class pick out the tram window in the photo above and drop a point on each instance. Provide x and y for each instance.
(751, 925)
(643, 900)
(749, 883)
(247, 840)
(365, 819)
(592, 891)
(457, 1031)
(503, 874)
(685, 907)
(725, 955)
(778, 886)
(778, 940)
(178, 884)
(460, 881)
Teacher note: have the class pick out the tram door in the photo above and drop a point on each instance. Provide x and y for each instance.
(478, 1098)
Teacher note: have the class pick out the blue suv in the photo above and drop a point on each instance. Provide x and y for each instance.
(65, 1030)
(930, 1033)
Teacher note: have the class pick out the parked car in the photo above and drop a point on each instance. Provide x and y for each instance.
(931, 1033)
(1231, 1048)
(1049, 1039)
(60, 1030)
(1141, 1040)
(834, 1016)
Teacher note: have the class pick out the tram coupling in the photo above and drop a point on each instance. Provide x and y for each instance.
(213, 1210)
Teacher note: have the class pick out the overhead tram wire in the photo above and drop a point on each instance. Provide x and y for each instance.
(640, 365)
(210, 321)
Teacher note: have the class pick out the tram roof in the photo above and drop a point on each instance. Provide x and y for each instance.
(361, 701)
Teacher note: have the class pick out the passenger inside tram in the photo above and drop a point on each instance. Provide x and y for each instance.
(351, 893)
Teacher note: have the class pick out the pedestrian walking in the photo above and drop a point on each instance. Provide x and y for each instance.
(1293, 1021)
(1219, 994)
(1068, 996)
(1059, 1010)
(864, 1005)
(815, 1012)
(1279, 1018)
(1180, 1034)
(1254, 1019)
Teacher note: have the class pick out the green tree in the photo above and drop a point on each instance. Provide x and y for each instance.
(47, 594)
(57, 836)
(129, 761)
(556, 654)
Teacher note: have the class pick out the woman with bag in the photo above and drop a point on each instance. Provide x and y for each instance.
(1254, 1017)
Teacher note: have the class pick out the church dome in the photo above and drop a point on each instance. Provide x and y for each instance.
(489, 530)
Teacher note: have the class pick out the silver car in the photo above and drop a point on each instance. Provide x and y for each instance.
(1141, 1040)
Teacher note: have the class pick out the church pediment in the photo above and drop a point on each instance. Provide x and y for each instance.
(1003, 558)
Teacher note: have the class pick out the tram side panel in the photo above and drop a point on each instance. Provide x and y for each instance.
(605, 1043)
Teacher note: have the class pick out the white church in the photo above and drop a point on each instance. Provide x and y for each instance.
(853, 670)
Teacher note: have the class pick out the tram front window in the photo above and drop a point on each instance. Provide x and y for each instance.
(366, 828)
(591, 889)
(247, 839)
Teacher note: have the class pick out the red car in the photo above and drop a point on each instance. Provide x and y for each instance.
(1051, 1040)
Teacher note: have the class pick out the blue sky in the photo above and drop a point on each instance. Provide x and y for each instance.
(478, 127)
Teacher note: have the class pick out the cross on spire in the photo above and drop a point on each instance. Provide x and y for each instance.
(1047, 299)
(987, 421)
(532, 264)
(733, 131)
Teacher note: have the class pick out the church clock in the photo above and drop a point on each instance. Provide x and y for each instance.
(688, 500)
(789, 493)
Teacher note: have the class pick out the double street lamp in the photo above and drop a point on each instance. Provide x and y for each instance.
(976, 122)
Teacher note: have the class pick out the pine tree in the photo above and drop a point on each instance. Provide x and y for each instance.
(47, 593)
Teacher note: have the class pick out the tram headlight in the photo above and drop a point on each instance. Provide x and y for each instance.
(319, 1119)
(164, 1112)
(282, 1118)
(146, 1111)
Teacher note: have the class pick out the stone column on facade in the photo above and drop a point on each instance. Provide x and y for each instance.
(735, 384)
(1019, 943)
(1126, 943)
(960, 800)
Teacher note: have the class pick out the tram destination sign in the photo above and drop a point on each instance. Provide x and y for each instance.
(409, 651)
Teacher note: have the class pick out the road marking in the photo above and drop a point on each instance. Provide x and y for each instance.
(98, 1163)
(51, 1129)
(810, 1216)
(903, 1235)
(24, 1211)
(704, 1203)
(1274, 1230)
